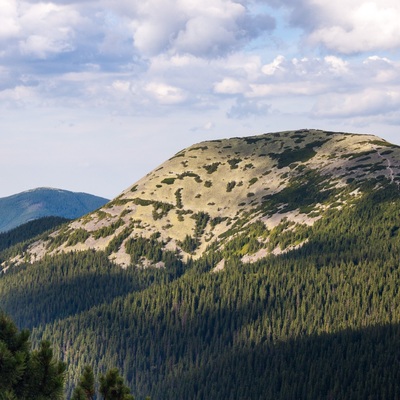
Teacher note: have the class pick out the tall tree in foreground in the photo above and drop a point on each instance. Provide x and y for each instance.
(112, 386)
(85, 389)
(26, 374)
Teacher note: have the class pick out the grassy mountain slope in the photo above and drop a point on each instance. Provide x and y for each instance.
(209, 192)
(44, 202)
(319, 320)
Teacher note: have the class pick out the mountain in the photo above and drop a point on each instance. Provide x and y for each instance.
(213, 191)
(247, 268)
(23, 207)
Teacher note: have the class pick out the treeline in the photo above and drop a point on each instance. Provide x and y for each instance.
(319, 322)
(28, 231)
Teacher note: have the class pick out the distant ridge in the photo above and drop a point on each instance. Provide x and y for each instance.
(36, 203)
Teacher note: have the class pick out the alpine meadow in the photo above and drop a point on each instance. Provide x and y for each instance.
(262, 267)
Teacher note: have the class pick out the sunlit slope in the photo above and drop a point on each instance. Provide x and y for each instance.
(208, 193)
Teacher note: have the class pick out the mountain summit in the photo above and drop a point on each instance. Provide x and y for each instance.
(210, 193)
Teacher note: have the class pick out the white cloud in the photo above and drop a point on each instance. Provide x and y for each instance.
(367, 103)
(39, 29)
(165, 94)
(122, 86)
(8, 16)
(19, 96)
(336, 65)
(230, 86)
(42, 46)
(348, 26)
(275, 66)
(373, 25)
(300, 88)
(205, 28)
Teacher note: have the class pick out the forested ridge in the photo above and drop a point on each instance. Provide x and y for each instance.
(29, 230)
(318, 322)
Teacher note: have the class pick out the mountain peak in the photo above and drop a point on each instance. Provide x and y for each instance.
(213, 192)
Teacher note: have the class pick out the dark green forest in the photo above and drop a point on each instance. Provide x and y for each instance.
(319, 322)
(29, 230)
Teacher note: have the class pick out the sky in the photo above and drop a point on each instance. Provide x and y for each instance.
(94, 94)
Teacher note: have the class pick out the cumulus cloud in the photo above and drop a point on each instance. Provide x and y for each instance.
(275, 66)
(369, 102)
(230, 86)
(131, 56)
(207, 28)
(165, 94)
(39, 29)
(338, 88)
(347, 26)
(8, 16)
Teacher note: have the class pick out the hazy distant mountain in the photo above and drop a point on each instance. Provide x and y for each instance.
(23, 207)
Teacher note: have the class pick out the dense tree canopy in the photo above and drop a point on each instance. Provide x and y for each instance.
(321, 321)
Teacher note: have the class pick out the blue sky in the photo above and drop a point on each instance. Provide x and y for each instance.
(96, 93)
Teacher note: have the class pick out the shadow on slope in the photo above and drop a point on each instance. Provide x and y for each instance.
(65, 285)
(352, 364)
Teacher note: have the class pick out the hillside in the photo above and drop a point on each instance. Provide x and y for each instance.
(23, 207)
(208, 193)
(285, 288)
(29, 230)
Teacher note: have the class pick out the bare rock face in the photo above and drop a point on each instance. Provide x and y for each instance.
(267, 190)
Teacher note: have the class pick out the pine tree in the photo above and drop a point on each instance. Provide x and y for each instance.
(25, 374)
(79, 394)
(46, 376)
(112, 386)
(85, 389)
(13, 354)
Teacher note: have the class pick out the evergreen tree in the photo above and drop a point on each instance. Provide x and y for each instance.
(85, 389)
(112, 386)
(14, 348)
(79, 394)
(25, 374)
